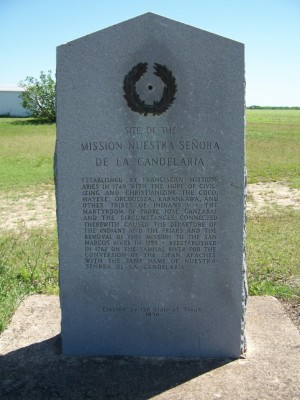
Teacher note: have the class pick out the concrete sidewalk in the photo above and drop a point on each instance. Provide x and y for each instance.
(31, 366)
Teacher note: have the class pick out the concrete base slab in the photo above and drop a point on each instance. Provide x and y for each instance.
(32, 367)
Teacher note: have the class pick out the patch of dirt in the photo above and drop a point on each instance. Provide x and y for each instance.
(270, 196)
(37, 208)
(292, 308)
(27, 209)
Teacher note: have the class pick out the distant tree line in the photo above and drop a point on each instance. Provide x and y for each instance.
(272, 108)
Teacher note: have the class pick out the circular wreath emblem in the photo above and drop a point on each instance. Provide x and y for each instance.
(133, 99)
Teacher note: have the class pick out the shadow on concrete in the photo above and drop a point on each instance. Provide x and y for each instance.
(40, 371)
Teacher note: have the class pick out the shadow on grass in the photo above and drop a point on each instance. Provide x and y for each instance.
(32, 121)
(40, 371)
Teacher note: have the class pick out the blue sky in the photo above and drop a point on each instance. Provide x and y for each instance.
(30, 30)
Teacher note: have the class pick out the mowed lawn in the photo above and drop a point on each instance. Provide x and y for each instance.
(272, 149)
(28, 259)
(273, 146)
(26, 153)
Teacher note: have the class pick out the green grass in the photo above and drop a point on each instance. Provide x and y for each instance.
(28, 260)
(28, 264)
(273, 256)
(272, 149)
(26, 153)
(273, 146)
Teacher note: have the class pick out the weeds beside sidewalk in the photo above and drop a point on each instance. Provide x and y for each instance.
(28, 264)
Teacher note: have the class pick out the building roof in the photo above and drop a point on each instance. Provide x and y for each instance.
(10, 88)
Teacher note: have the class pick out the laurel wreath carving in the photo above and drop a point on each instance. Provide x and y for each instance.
(133, 99)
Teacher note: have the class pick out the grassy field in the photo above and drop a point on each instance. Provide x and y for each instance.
(28, 259)
(273, 146)
(26, 153)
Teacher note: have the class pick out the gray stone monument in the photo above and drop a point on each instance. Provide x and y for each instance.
(150, 191)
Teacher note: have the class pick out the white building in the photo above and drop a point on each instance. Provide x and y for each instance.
(10, 103)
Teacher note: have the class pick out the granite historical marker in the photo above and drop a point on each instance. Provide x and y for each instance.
(150, 191)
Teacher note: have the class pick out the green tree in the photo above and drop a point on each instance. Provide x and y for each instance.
(39, 96)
